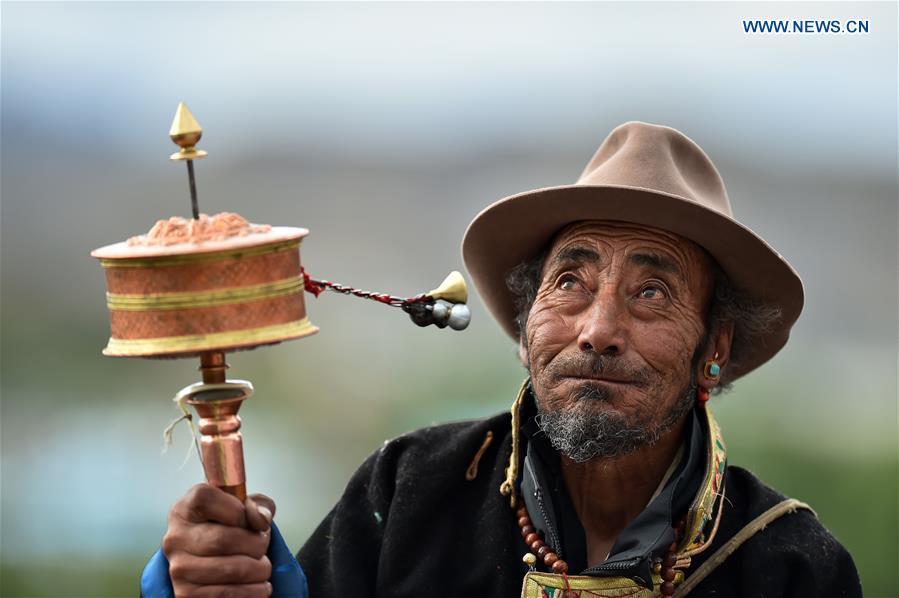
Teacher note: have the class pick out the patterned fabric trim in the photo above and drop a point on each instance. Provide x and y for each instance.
(705, 512)
(550, 585)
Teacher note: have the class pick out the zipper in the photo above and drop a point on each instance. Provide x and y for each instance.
(549, 524)
(538, 495)
(614, 566)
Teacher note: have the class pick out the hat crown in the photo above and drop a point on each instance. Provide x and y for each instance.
(647, 156)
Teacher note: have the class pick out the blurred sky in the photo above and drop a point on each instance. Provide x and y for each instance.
(384, 128)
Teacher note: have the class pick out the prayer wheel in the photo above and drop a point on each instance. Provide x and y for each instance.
(205, 286)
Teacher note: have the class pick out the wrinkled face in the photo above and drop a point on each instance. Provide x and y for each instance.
(613, 335)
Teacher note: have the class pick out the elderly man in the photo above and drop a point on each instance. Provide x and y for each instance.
(633, 294)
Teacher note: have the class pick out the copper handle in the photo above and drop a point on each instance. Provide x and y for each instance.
(221, 443)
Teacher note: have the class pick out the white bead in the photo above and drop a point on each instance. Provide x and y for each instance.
(459, 317)
(441, 311)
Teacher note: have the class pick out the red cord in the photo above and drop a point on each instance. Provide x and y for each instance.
(317, 287)
(313, 286)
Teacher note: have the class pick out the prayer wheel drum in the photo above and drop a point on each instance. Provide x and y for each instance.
(186, 299)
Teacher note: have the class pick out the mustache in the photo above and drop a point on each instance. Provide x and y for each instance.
(591, 365)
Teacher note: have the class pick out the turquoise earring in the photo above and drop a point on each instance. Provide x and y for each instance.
(712, 370)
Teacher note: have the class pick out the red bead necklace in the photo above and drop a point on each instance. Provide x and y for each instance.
(537, 545)
(540, 551)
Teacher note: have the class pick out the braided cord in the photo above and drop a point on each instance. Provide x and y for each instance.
(317, 287)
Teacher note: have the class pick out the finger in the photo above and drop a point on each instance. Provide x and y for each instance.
(203, 570)
(205, 503)
(215, 539)
(249, 590)
(265, 501)
(259, 517)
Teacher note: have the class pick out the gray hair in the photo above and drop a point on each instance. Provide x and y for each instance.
(750, 316)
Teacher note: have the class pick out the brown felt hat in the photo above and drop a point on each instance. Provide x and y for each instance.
(642, 174)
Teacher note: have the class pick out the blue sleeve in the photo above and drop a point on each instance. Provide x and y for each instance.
(288, 579)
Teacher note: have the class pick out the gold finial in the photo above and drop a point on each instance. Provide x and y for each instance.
(452, 289)
(186, 132)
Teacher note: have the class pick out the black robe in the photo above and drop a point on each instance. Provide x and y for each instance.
(410, 525)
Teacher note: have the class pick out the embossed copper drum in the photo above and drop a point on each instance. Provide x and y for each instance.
(185, 299)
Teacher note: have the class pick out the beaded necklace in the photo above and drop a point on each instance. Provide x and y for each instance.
(540, 551)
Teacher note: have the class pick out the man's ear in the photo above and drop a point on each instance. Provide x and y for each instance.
(523, 352)
(718, 351)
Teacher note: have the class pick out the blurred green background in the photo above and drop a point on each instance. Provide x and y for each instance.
(384, 128)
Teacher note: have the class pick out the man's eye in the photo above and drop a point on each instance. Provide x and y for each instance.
(567, 282)
(652, 292)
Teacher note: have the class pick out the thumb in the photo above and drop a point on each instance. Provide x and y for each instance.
(260, 512)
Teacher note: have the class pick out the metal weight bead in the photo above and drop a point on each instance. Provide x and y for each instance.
(441, 311)
(459, 317)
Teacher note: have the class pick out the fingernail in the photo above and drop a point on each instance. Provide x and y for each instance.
(266, 514)
(268, 585)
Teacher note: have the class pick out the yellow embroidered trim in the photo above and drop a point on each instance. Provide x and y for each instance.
(705, 510)
(193, 299)
(193, 258)
(536, 584)
(204, 342)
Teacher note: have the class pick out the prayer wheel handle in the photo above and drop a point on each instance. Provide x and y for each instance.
(217, 401)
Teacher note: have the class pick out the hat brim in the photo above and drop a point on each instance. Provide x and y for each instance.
(518, 227)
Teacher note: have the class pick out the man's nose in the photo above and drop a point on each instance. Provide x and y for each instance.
(602, 324)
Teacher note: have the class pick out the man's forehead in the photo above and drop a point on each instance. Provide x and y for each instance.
(604, 232)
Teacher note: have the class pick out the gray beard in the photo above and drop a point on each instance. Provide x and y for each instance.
(583, 432)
